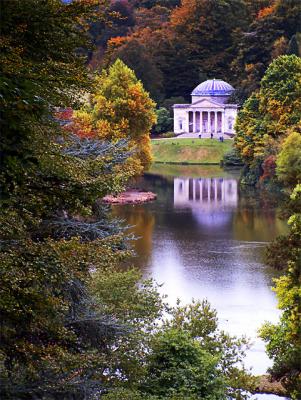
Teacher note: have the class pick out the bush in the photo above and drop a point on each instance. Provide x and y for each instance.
(232, 158)
(164, 121)
(168, 135)
(289, 160)
(179, 365)
(283, 340)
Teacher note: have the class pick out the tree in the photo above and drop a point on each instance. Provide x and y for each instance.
(164, 121)
(53, 332)
(275, 23)
(121, 108)
(293, 46)
(136, 56)
(284, 339)
(183, 355)
(199, 38)
(178, 365)
(205, 33)
(153, 3)
(255, 6)
(152, 18)
(289, 159)
(119, 20)
(29, 62)
(267, 115)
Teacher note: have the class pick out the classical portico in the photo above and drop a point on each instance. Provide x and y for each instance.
(209, 111)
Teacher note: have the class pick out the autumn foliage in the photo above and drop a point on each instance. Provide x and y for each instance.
(269, 115)
(120, 108)
(173, 45)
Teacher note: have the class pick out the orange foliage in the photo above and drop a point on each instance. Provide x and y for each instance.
(264, 12)
(79, 123)
(269, 167)
(183, 13)
(64, 115)
(117, 41)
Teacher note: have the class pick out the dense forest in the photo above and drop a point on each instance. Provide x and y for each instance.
(79, 85)
(172, 46)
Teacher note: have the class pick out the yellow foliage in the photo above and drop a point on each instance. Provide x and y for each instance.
(120, 108)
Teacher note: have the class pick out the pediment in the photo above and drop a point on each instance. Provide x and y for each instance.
(207, 104)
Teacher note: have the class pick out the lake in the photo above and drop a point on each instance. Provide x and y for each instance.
(205, 237)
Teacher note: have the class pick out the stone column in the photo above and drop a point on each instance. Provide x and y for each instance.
(223, 121)
(215, 122)
(194, 122)
(201, 121)
(186, 129)
(208, 122)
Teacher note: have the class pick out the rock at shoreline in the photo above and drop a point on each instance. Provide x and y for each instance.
(130, 197)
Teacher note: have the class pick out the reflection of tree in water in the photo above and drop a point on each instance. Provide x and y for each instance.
(142, 224)
(252, 216)
(258, 215)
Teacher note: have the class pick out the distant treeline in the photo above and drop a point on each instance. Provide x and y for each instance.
(173, 45)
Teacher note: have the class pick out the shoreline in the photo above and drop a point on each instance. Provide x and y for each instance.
(186, 163)
(130, 196)
(266, 385)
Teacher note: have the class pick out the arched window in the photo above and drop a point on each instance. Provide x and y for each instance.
(181, 124)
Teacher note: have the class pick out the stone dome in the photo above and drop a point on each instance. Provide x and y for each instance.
(213, 87)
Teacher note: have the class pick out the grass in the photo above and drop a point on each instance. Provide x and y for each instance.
(192, 171)
(189, 151)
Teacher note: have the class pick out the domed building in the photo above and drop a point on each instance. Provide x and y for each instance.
(209, 113)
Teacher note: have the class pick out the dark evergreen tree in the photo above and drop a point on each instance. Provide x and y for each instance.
(293, 46)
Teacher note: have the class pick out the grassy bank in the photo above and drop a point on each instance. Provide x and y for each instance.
(189, 151)
(192, 171)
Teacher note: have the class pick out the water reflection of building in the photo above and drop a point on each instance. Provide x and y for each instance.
(205, 193)
(210, 199)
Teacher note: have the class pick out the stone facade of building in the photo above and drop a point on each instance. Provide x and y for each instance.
(209, 111)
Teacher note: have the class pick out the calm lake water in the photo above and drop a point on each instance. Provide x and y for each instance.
(205, 238)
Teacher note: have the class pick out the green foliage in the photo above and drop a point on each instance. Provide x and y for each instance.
(178, 365)
(136, 56)
(170, 56)
(73, 323)
(53, 333)
(267, 115)
(164, 121)
(232, 158)
(289, 159)
(127, 394)
(172, 46)
(168, 103)
(284, 339)
(29, 61)
(167, 135)
(182, 357)
(274, 23)
(203, 38)
(294, 46)
(121, 108)
(199, 320)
